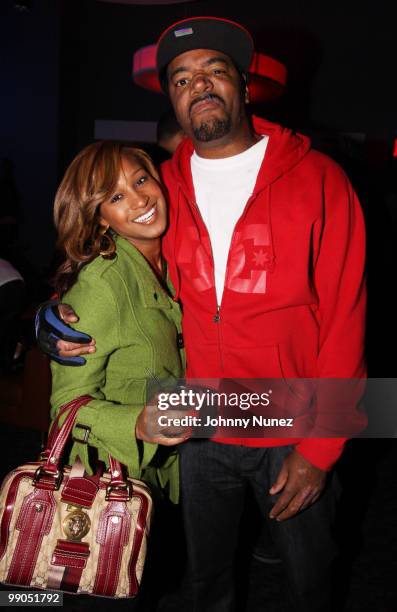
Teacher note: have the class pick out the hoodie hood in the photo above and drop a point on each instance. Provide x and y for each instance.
(285, 149)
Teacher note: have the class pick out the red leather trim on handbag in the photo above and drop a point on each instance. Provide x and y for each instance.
(54, 430)
(71, 554)
(80, 491)
(71, 579)
(34, 522)
(9, 509)
(116, 473)
(54, 451)
(112, 535)
(139, 533)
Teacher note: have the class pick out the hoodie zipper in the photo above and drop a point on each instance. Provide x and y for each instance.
(217, 321)
(217, 317)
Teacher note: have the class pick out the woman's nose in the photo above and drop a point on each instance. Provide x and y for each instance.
(139, 200)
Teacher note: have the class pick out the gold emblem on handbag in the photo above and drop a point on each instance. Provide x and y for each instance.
(76, 524)
(65, 530)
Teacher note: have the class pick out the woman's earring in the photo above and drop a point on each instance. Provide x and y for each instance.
(106, 241)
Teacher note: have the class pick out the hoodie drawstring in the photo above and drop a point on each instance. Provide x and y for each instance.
(177, 274)
(270, 264)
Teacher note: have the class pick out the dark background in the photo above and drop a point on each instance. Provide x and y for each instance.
(67, 63)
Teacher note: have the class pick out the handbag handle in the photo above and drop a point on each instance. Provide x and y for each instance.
(55, 446)
(54, 429)
(49, 473)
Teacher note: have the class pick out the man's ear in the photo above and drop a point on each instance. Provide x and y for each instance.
(245, 88)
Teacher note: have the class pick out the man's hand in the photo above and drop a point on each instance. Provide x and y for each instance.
(72, 349)
(301, 484)
(57, 339)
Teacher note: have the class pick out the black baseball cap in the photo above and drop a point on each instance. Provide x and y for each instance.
(215, 33)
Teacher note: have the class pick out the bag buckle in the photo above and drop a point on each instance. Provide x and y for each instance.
(87, 431)
(40, 472)
(127, 487)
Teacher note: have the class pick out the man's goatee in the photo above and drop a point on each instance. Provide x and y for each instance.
(212, 130)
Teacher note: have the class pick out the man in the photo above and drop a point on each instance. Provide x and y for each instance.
(266, 252)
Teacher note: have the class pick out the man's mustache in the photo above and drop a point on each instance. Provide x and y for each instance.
(206, 97)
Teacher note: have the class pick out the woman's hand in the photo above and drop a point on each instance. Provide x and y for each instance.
(160, 427)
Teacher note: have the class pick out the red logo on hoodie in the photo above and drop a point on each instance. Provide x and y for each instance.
(194, 258)
(250, 259)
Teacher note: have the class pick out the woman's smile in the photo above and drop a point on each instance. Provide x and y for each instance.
(148, 217)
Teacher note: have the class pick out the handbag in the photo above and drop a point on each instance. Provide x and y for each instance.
(62, 529)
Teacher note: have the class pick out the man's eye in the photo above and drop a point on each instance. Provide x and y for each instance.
(218, 71)
(117, 197)
(181, 83)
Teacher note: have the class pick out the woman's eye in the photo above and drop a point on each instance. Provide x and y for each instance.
(117, 197)
(142, 180)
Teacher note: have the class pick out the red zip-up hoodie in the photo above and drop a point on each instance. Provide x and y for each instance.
(293, 304)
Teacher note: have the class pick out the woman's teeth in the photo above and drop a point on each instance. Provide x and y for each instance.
(146, 217)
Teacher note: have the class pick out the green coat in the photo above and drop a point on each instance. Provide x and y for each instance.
(135, 323)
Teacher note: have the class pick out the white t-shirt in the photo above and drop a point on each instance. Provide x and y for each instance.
(222, 188)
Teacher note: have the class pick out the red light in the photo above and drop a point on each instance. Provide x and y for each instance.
(395, 148)
(144, 68)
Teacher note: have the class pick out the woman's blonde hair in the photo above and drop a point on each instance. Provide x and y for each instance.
(90, 180)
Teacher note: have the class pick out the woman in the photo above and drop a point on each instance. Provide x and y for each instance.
(110, 213)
